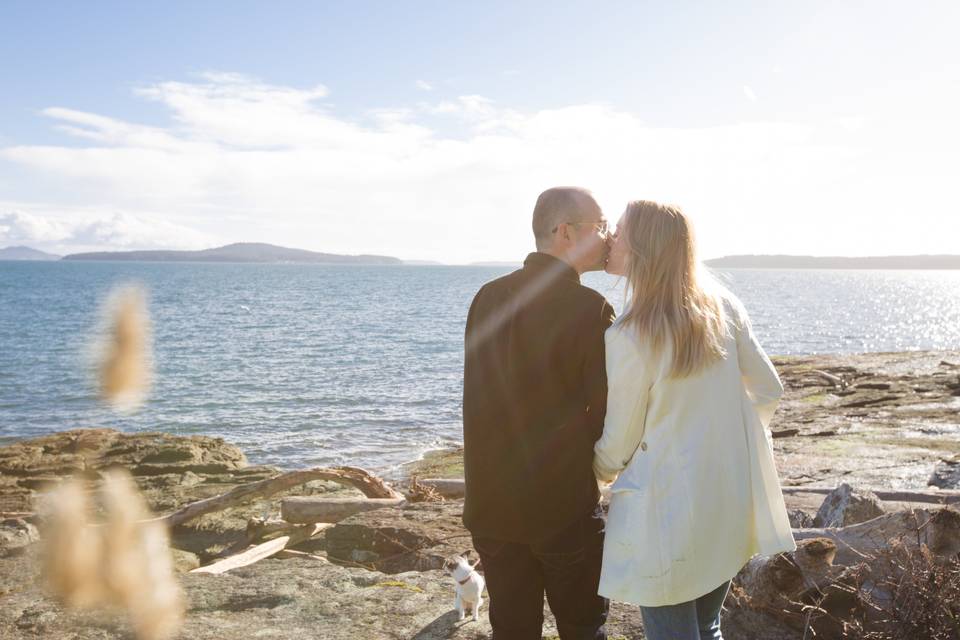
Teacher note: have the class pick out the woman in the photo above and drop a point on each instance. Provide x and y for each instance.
(691, 394)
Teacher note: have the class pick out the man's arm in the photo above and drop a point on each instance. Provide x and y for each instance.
(595, 369)
(470, 345)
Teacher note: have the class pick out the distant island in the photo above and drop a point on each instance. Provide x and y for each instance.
(256, 252)
(259, 252)
(25, 253)
(814, 262)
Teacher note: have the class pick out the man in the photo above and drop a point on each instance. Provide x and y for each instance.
(534, 397)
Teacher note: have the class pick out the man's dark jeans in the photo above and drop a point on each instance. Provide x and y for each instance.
(566, 566)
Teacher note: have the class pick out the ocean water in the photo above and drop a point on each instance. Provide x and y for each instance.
(304, 365)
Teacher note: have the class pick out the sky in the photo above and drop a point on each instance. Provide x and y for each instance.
(426, 130)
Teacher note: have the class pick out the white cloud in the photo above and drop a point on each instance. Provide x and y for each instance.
(424, 85)
(455, 180)
(19, 227)
(748, 92)
(83, 230)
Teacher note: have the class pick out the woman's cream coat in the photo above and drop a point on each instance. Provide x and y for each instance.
(697, 493)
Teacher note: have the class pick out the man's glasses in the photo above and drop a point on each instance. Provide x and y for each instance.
(602, 226)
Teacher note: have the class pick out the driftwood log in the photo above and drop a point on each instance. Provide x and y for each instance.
(772, 580)
(369, 484)
(263, 550)
(938, 529)
(308, 509)
(293, 553)
(933, 497)
(23, 515)
(835, 572)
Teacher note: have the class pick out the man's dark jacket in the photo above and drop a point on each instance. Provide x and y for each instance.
(534, 398)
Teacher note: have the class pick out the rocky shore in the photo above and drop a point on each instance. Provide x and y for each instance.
(880, 421)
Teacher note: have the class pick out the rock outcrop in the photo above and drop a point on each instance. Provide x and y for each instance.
(845, 506)
(16, 534)
(946, 474)
(416, 537)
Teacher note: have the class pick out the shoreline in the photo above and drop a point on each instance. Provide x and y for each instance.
(892, 422)
(904, 403)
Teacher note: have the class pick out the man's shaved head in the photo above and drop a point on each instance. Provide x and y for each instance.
(559, 205)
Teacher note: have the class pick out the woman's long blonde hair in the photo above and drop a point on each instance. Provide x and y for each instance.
(669, 299)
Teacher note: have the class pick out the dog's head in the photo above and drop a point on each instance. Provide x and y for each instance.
(460, 566)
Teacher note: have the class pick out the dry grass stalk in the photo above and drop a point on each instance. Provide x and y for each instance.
(921, 596)
(419, 492)
(124, 562)
(125, 362)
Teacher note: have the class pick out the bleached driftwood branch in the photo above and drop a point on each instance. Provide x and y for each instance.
(369, 484)
(263, 550)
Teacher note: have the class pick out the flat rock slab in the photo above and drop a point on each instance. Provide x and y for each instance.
(415, 537)
(159, 461)
(79, 450)
(296, 599)
(886, 429)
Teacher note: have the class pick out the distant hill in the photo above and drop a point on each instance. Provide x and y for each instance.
(813, 262)
(239, 252)
(25, 253)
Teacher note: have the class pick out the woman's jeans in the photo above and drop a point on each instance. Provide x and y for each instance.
(694, 620)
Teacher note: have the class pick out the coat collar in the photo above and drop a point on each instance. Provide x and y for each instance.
(555, 266)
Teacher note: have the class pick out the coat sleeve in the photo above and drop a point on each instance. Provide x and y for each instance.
(629, 380)
(594, 370)
(759, 376)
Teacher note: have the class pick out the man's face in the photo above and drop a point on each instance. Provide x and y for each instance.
(589, 239)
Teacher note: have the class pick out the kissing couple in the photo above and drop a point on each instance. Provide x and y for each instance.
(671, 402)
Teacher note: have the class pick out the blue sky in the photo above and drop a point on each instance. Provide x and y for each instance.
(780, 127)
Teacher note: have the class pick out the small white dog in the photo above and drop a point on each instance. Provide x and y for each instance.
(469, 585)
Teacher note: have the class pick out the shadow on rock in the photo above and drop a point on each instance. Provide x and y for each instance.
(446, 626)
(244, 603)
